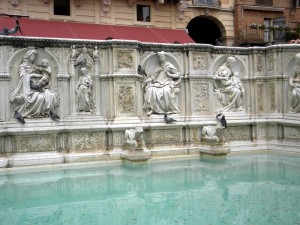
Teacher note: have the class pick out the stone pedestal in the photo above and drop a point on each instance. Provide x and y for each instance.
(3, 162)
(136, 155)
(217, 149)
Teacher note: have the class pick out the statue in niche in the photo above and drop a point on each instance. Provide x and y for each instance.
(134, 138)
(294, 81)
(84, 89)
(228, 87)
(96, 53)
(74, 52)
(161, 88)
(32, 92)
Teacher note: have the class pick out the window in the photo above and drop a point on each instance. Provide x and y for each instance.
(264, 2)
(62, 7)
(143, 13)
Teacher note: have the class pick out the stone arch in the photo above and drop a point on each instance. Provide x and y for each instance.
(151, 61)
(17, 58)
(238, 67)
(206, 29)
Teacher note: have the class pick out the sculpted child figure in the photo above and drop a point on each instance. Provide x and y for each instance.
(46, 73)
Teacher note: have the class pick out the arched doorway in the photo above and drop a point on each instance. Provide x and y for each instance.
(205, 29)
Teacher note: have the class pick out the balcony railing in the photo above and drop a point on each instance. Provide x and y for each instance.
(207, 3)
(253, 36)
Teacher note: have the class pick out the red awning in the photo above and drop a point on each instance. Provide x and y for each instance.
(57, 29)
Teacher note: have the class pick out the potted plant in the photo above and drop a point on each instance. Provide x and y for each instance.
(253, 26)
(287, 28)
(262, 27)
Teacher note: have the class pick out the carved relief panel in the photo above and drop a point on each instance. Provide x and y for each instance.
(200, 97)
(239, 133)
(124, 60)
(272, 131)
(227, 83)
(88, 141)
(272, 94)
(34, 83)
(270, 60)
(168, 137)
(199, 63)
(36, 143)
(260, 64)
(118, 138)
(125, 98)
(260, 97)
(292, 132)
(293, 71)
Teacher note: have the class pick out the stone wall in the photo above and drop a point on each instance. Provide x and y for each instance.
(263, 121)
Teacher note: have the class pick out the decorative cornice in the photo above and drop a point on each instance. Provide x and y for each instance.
(23, 42)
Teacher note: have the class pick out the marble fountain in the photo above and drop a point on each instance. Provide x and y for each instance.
(77, 101)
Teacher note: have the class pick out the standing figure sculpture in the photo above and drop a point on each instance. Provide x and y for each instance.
(294, 81)
(84, 89)
(228, 87)
(162, 87)
(33, 103)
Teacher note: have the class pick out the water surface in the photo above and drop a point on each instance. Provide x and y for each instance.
(241, 190)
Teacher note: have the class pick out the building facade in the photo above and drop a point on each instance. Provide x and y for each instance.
(196, 17)
(260, 22)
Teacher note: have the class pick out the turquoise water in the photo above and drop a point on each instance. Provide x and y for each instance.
(241, 190)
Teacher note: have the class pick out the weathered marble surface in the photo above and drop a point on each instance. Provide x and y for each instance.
(264, 117)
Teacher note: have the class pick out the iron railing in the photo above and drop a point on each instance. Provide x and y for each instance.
(207, 3)
(253, 36)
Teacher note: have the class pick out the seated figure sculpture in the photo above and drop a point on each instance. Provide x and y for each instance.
(162, 87)
(294, 81)
(228, 87)
(134, 139)
(32, 102)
